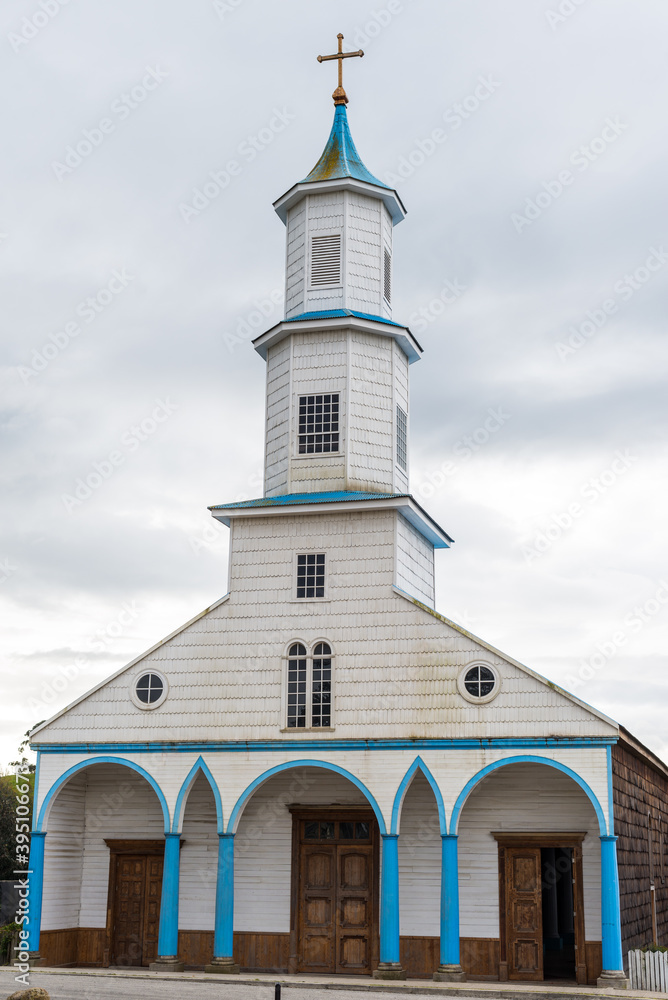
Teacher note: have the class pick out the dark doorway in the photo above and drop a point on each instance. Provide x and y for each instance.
(133, 908)
(558, 912)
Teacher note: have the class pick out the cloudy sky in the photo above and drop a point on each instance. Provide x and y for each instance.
(528, 141)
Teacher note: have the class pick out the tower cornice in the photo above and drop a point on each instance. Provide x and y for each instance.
(340, 319)
(387, 195)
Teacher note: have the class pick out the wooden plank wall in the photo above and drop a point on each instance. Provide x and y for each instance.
(639, 788)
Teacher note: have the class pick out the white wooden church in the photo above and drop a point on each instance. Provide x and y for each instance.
(320, 773)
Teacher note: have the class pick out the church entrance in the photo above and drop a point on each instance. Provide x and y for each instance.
(335, 891)
(542, 916)
(135, 885)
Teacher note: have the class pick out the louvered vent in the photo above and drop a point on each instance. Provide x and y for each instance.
(326, 260)
(387, 277)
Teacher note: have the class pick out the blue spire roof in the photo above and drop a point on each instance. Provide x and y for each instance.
(340, 158)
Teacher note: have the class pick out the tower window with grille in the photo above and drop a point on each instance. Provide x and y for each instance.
(387, 276)
(326, 260)
(402, 439)
(311, 575)
(319, 423)
(297, 683)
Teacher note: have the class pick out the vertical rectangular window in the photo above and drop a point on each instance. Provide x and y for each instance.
(321, 706)
(311, 575)
(297, 687)
(326, 260)
(402, 439)
(387, 276)
(319, 423)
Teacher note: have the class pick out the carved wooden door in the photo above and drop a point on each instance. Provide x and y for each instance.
(318, 906)
(524, 921)
(138, 885)
(353, 911)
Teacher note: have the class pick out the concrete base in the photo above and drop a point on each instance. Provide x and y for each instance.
(389, 970)
(167, 963)
(450, 974)
(35, 959)
(223, 965)
(612, 980)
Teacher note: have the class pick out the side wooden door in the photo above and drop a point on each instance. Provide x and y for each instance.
(524, 916)
(354, 910)
(318, 907)
(137, 886)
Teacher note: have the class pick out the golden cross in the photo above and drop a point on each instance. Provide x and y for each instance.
(339, 95)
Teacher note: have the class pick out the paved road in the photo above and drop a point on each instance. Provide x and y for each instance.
(68, 987)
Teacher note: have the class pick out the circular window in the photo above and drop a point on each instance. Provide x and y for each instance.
(150, 690)
(479, 683)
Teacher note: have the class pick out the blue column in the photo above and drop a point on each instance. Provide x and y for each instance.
(390, 966)
(223, 937)
(168, 935)
(610, 908)
(35, 884)
(449, 970)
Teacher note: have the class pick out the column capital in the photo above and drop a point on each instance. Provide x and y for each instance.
(608, 838)
(172, 834)
(390, 836)
(449, 836)
(228, 836)
(37, 833)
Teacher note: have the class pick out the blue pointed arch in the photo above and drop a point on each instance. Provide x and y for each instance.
(291, 765)
(59, 782)
(526, 759)
(199, 765)
(397, 807)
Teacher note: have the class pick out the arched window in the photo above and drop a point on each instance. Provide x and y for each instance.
(309, 686)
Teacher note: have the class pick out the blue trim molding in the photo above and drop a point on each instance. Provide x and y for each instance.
(184, 791)
(35, 886)
(223, 937)
(526, 759)
(418, 764)
(250, 746)
(389, 899)
(168, 934)
(290, 765)
(611, 799)
(610, 908)
(59, 782)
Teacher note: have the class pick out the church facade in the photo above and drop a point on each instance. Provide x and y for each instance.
(320, 773)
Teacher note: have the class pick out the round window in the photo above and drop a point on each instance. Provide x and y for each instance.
(150, 690)
(478, 683)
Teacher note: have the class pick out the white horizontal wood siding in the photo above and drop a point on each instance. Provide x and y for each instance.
(521, 797)
(199, 859)
(295, 260)
(396, 664)
(364, 254)
(263, 844)
(387, 232)
(420, 861)
(325, 217)
(277, 435)
(415, 562)
(371, 420)
(63, 853)
(401, 397)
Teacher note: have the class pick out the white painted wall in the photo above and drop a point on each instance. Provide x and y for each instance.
(521, 797)
(415, 562)
(63, 852)
(420, 861)
(199, 859)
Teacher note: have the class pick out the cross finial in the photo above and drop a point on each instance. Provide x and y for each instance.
(339, 95)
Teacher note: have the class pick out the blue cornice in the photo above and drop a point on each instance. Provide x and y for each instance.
(249, 746)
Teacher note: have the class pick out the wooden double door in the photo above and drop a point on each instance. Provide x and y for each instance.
(335, 893)
(135, 886)
(541, 907)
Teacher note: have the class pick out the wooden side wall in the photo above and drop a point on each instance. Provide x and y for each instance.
(640, 791)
